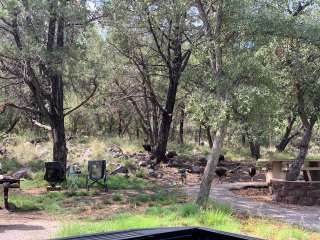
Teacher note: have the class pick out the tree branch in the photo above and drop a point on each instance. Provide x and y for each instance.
(36, 123)
(4, 106)
(84, 101)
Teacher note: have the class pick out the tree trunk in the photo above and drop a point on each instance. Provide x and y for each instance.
(199, 134)
(286, 137)
(173, 131)
(60, 150)
(255, 149)
(181, 124)
(155, 123)
(209, 136)
(120, 124)
(296, 166)
(166, 120)
(243, 140)
(209, 171)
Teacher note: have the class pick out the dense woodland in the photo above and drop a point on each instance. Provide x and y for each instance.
(237, 73)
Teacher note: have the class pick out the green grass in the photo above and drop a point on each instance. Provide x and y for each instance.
(50, 202)
(174, 215)
(237, 154)
(215, 217)
(159, 197)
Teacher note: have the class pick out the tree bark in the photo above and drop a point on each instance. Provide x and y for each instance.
(60, 150)
(209, 136)
(243, 140)
(286, 138)
(209, 171)
(199, 134)
(296, 166)
(56, 115)
(213, 32)
(181, 125)
(166, 120)
(254, 149)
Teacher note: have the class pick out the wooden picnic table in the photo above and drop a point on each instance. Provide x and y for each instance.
(310, 169)
(8, 182)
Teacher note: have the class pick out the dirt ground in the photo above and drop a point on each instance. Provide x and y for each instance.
(26, 226)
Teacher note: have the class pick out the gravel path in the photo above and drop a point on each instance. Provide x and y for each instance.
(19, 226)
(306, 217)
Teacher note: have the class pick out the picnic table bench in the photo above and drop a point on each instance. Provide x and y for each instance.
(310, 169)
(8, 182)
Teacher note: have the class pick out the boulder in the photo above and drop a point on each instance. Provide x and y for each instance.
(175, 162)
(171, 154)
(3, 150)
(142, 164)
(120, 169)
(23, 173)
(203, 161)
(196, 169)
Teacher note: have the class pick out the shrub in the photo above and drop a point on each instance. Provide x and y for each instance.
(189, 209)
(117, 197)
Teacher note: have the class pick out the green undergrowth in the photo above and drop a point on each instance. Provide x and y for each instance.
(216, 216)
(73, 198)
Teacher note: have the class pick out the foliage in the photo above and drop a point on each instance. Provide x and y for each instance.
(189, 215)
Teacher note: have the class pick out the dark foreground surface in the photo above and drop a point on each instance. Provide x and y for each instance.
(179, 233)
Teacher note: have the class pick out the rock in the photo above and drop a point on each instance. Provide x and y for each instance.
(142, 164)
(147, 147)
(3, 150)
(120, 169)
(171, 154)
(203, 161)
(86, 154)
(178, 163)
(115, 151)
(175, 162)
(196, 169)
(73, 169)
(152, 173)
(23, 173)
(221, 158)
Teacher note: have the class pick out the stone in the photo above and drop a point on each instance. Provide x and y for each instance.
(196, 169)
(23, 173)
(171, 154)
(3, 150)
(120, 169)
(142, 164)
(203, 161)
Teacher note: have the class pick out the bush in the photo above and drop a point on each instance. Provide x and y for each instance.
(189, 209)
(117, 197)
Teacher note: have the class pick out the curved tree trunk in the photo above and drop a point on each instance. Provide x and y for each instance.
(286, 137)
(295, 168)
(209, 171)
(209, 136)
